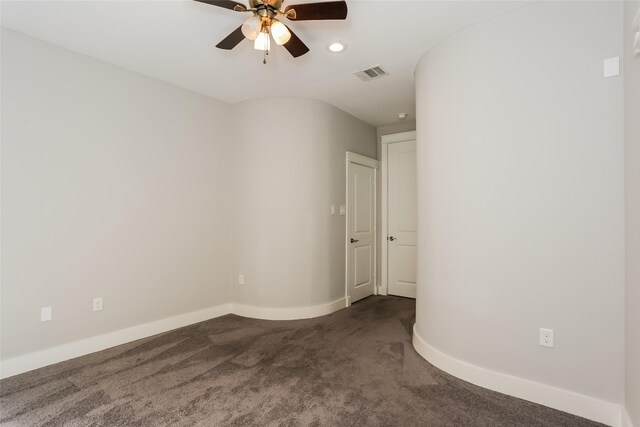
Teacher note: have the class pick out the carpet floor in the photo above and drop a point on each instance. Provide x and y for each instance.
(355, 367)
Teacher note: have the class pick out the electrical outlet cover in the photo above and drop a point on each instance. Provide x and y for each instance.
(546, 337)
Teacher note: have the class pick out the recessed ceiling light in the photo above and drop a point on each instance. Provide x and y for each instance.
(336, 47)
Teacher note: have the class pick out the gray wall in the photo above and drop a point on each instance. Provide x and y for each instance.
(521, 196)
(113, 185)
(155, 198)
(292, 252)
(631, 73)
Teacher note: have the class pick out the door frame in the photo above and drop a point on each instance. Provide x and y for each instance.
(386, 140)
(374, 164)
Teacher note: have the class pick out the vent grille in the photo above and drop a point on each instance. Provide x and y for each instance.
(372, 73)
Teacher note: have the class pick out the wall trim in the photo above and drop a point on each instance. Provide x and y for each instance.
(362, 160)
(39, 359)
(399, 137)
(292, 313)
(564, 400)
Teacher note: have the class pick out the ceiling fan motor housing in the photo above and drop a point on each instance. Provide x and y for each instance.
(276, 4)
(265, 13)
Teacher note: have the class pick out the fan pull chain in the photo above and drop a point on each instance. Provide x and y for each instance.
(266, 52)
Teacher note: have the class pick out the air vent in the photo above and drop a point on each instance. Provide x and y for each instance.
(371, 73)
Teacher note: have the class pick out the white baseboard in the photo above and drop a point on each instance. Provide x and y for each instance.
(626, 419)
(38, 359)
(564, 400)
(288, 313)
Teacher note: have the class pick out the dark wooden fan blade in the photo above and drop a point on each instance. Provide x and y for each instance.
(295, 46)
(318, 11)
(231, 40)
(227, 4)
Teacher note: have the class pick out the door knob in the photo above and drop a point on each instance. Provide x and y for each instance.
(354, 240)
(392, 238)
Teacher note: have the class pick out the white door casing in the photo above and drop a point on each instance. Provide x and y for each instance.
(361, 227)
(399, 215)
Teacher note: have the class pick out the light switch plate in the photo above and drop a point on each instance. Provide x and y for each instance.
(343, 210)
(333, 209)
(46, 314)
(612, 67)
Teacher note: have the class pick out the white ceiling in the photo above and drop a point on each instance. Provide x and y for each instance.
(174, 42)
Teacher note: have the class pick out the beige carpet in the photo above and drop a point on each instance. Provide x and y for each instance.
(356, 367)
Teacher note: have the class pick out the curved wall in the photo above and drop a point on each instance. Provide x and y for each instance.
(155, 198)
(521, 204)
(290, 168)
(631, 73)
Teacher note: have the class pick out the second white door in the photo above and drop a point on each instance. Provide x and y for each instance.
(402, 218)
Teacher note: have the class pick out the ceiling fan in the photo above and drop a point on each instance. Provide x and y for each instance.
(264, 23)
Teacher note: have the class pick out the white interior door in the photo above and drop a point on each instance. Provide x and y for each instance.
(360, 231)
(402, 218)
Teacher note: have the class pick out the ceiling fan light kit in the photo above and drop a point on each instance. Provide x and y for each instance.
(263, 25)
(252, 27)
(279, 32)
(262, 42)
